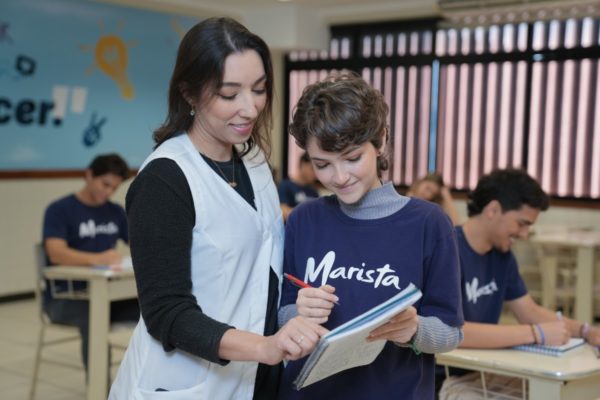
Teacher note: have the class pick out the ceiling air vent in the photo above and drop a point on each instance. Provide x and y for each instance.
(469, 12)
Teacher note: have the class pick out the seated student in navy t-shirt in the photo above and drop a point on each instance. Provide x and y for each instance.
(299, 188)
(502, 208)
(83, 229)
(363, 245)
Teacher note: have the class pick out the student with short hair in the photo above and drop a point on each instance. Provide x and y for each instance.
(364, 244)
(431, 187)
(299, 188)
(83, 229)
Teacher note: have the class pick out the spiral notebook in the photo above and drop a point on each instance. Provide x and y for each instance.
(555, 351)
(346, 346)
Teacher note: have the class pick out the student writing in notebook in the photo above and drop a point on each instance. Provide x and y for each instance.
(502, 208)
(362, 245)
(82, 229)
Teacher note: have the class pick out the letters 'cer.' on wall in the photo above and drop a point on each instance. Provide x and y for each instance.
(79, 78)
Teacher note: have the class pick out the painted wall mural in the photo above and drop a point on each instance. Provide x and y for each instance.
(78, 78)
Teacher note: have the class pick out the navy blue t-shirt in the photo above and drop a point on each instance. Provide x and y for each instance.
(85, 228)
(293, 194)
(487, 281)
(369, 261)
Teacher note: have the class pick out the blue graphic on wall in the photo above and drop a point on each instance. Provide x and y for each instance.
(78, 78)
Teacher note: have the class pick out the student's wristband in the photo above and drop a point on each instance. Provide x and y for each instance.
(542, 337)
(584, 330)
(535, 336)
(413, 346)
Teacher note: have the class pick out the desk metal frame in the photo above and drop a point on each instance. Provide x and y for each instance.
(104, 286)
(575, 375)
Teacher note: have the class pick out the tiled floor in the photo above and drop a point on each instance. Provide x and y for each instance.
(18, 336)
(20, 327)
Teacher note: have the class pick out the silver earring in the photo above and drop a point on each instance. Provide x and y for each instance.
(192, 111)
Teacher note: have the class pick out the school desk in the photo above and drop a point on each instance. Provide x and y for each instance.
(104, 286)
(572, 376)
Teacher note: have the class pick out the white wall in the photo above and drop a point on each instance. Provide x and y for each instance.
(23, 205)
(24, 202)
(554, 216)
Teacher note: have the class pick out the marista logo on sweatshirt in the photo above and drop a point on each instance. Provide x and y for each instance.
(474, 291)
(91, 229)
(381, 276)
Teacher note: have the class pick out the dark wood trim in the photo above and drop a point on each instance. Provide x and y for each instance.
(48, 174)
(575, 203)
(554, 201)
(58, 173)
(17, 297)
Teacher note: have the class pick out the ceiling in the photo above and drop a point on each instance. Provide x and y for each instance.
(304, 24)
(330, 11)
(295, 24)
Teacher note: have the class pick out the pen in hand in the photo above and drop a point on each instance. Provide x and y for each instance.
(299, 283)
(295, 281)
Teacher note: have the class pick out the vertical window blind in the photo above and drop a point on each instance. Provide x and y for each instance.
(466, 100)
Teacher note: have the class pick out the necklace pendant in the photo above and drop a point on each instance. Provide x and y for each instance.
(233, 184)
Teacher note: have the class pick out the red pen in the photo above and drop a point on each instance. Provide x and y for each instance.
(299, 283)
(295, 281)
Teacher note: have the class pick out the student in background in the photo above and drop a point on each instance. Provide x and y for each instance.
(207, 232)
(83, 229)
(431, 188)
(298, 188)
(502, 208)
(364, 244)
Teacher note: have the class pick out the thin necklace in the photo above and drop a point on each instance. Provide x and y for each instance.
(231, 182)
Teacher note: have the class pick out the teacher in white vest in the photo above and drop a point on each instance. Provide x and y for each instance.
(206, 233)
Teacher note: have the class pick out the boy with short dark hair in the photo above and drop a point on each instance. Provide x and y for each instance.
(83, 229)
(502, 208)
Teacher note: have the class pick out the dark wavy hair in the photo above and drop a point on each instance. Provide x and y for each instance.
(512, 188)
(341, 111)
(199, 71)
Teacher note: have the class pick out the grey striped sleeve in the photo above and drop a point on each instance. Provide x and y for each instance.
(286, 313)
(433, 336)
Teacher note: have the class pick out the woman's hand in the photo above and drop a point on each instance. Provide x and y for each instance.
(296, 339)
(400, 328)
(315, 304)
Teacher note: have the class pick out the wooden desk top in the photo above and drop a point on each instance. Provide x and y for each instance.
(578, 363)
(86, 273)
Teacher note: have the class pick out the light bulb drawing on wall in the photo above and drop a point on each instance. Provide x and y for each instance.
(111, 57)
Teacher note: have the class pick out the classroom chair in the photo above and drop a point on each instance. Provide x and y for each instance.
(61, 334)
(118, 337)
(559, 277)
(483, 385)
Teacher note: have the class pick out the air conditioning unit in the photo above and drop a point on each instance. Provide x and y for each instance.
(469, 12)
(473, 5)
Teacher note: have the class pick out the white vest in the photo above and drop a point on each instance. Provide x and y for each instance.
(233, 248)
